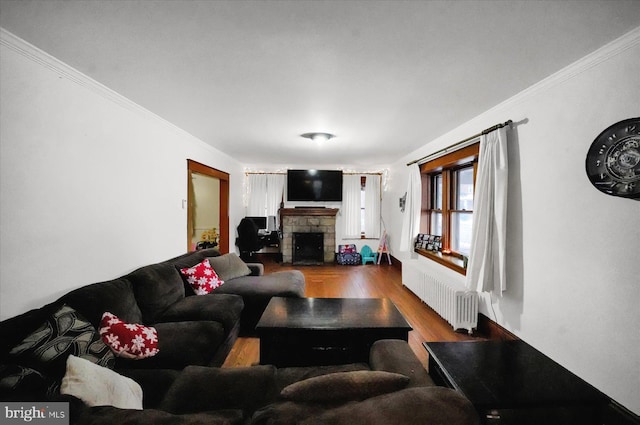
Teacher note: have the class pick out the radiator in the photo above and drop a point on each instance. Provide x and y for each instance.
(448, 298)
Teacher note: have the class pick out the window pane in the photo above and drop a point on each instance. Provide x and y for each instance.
(436, 223)
(461, 232)
(437, 192)
(464, 189)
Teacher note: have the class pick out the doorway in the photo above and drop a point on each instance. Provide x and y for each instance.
(207, 204)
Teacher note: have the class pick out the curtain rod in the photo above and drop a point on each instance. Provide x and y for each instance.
(448, 149)
(283, 173)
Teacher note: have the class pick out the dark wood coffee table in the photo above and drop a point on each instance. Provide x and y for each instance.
(323, 331)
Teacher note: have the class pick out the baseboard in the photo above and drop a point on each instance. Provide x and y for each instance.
(395, 263)
(493, 331)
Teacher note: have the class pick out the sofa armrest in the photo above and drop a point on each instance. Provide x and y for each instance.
(257, 269)
(395, 355)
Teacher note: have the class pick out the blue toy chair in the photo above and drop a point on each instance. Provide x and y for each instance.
(368, 255)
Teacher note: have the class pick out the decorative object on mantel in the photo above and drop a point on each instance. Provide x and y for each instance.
(318, 137)
(613, 160)
(429, 242)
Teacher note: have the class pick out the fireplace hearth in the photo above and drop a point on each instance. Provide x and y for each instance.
(308, 248)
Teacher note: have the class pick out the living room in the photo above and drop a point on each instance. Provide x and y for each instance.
(92, 187)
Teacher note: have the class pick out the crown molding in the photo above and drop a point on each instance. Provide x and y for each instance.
(42, 58)
(604, 53)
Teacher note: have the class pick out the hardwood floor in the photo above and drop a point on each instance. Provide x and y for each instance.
(369, 281)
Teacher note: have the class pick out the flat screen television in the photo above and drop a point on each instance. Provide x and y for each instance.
(314, 185)
(260, 222)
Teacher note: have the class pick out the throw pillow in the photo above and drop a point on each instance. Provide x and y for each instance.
(98, 386)
(345, 386)
(229, 266)
(128, 340)
(65, 332)
(201, 277)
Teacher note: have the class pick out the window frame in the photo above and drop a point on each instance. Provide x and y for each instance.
(446, 166)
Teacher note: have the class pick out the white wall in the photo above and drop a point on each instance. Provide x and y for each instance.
(92, 184)
(573, 252)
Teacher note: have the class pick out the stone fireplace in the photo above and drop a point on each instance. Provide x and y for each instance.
(308, 220)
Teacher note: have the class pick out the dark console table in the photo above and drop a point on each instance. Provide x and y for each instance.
(322, 331)
(510, 382)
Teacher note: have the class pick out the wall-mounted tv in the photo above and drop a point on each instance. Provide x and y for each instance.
(314, 185)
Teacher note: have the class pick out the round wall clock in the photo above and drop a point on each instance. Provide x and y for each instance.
(613, 160)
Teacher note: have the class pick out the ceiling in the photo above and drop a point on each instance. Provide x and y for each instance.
(386, 77)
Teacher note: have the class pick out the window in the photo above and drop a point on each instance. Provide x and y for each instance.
(447, 203)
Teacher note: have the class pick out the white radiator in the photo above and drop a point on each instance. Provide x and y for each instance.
(447, 297)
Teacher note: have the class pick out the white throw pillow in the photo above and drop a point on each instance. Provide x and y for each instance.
(99, 386)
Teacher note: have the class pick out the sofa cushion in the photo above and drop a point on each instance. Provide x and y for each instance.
(25, 384)
(65, 332)
(257, 291)
(223, 308)
(181, 344)
(288, 375)
(345, 386)
(427, 405)
(156, 287)
(115, 296)
(99, 386)
(201, 278)
(208, 388)
(287, 283)
(129, 340)
(229, 266)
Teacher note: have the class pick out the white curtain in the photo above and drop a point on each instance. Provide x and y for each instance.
(256, 199)
(275, 189)
(486, 268)
(411, 218)
(351, 205)
(372, 206)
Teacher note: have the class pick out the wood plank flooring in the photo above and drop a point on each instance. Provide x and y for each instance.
(368, 281)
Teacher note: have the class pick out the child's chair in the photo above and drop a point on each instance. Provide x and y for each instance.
(368, 255)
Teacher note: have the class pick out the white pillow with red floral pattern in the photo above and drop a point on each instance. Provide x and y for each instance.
(128, 340)
(201, 277)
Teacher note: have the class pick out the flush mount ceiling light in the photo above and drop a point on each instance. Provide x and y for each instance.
(318, 137)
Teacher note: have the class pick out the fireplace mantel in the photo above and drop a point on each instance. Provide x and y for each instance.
(312, 211)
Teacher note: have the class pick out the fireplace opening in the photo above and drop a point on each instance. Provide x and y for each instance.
(308, 248)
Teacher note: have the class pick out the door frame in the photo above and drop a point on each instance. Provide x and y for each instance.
(196, 167)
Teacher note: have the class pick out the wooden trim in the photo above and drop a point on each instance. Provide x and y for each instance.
(196, 167)
(309, 211)
(459, 157)
(447, 260)
(492, 330)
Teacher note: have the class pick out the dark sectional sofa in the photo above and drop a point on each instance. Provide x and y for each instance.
(183, 384)
(192, 330)
(392, 388)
